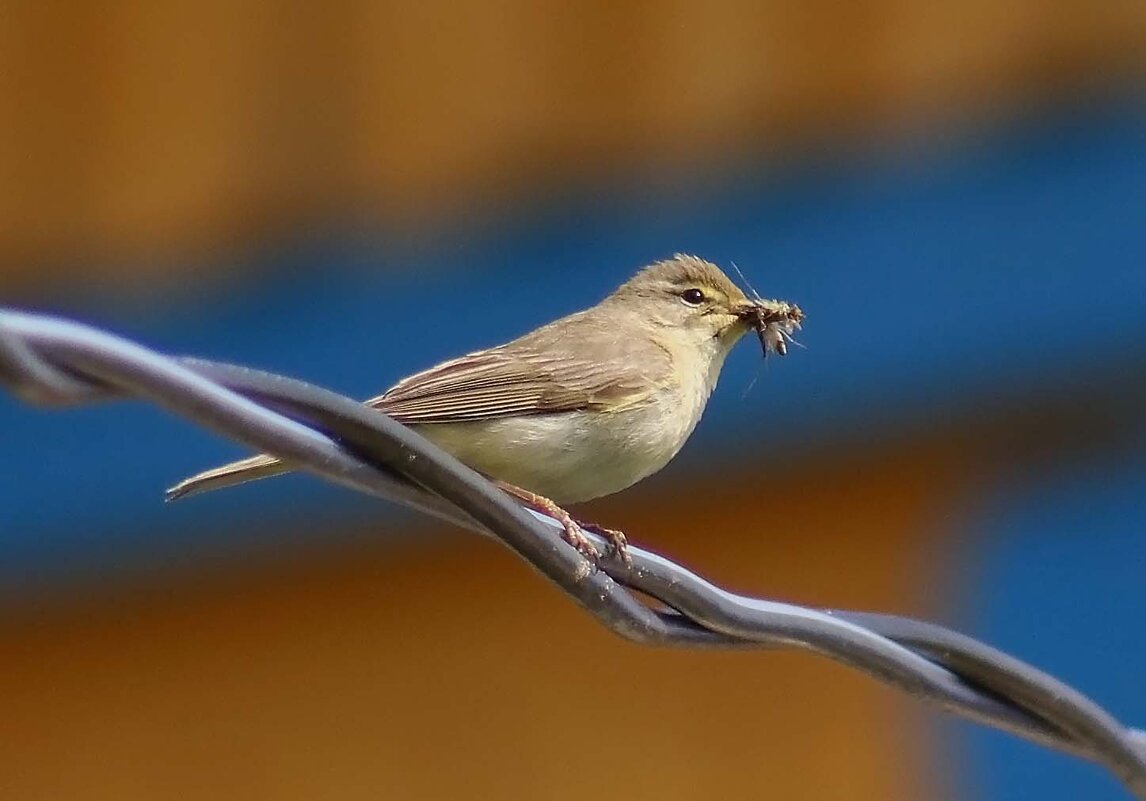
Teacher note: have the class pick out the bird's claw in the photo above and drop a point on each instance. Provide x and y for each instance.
(618, 542)
(573, 534)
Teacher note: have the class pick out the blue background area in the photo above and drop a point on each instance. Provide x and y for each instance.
(928, 281)
(1057, 576)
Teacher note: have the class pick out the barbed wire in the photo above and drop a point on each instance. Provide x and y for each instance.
(50, 361)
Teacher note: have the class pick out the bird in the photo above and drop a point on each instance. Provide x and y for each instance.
(584, 406)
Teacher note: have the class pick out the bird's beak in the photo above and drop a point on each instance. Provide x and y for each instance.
(749, 312)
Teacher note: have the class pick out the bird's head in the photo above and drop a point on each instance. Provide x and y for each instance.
(693, 298)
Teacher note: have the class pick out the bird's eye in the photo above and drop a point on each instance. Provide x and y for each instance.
(693, 297)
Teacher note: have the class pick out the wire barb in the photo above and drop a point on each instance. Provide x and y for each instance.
(51, 361)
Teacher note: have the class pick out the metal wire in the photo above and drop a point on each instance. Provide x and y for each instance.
(51, 361)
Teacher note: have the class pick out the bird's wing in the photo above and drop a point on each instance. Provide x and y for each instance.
(557, 368)
(495, 383)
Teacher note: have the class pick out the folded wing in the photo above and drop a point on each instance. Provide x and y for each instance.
(493, 384)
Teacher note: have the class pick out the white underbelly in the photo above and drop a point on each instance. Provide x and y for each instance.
(573, 456)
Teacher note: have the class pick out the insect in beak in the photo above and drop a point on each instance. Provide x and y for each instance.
(774, 322)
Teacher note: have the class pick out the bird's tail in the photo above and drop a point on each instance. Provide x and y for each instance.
(228, 475)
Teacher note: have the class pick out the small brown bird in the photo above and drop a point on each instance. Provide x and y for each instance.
(582, 407)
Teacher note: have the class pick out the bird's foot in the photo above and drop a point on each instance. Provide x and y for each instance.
(618, 542)
(571, 530)
(573, 533)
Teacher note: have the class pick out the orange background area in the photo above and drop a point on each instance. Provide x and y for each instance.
(138, 132)
(449, 670)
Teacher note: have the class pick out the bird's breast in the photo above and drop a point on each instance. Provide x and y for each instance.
(576, 456)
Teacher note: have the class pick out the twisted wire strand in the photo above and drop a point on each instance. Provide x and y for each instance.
(55, 362)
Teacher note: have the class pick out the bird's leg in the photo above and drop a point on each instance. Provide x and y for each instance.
(572, 531)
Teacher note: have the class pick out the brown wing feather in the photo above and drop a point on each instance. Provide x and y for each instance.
(541, 373)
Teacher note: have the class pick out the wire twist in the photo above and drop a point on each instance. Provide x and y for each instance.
(55, 362)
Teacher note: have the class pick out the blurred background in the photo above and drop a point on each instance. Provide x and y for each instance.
(954, 192)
